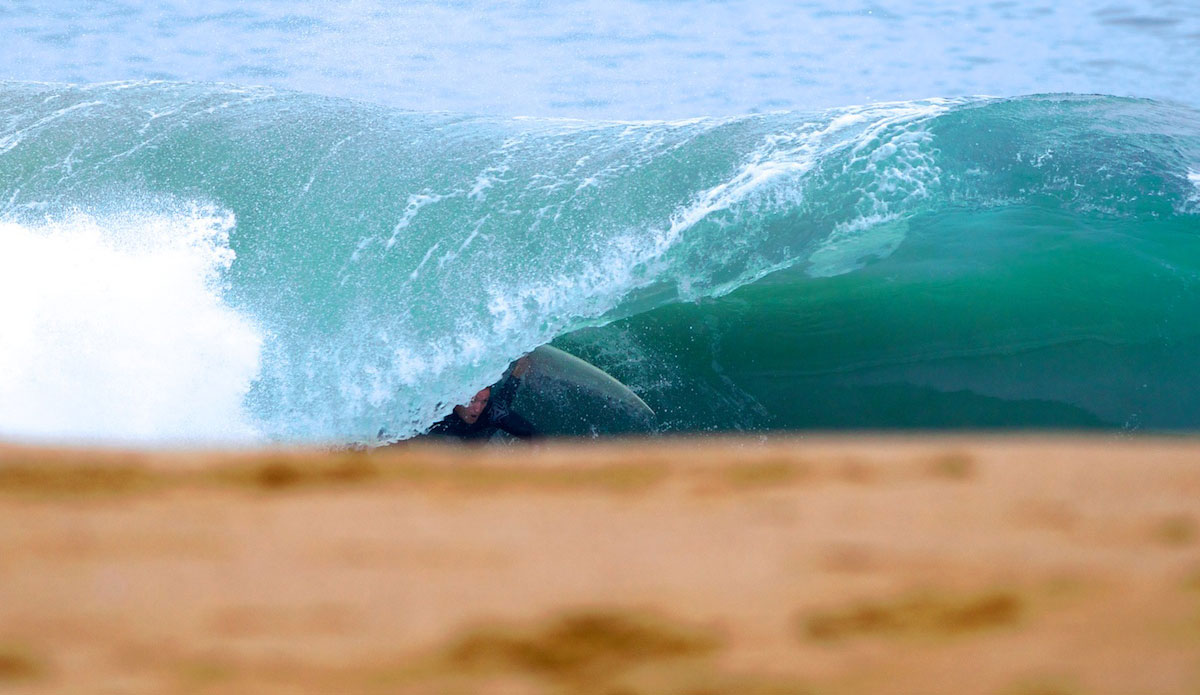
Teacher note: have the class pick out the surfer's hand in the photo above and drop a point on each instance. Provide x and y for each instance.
(520, 367)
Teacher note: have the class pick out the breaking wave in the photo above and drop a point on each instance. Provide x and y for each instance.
(193, 262)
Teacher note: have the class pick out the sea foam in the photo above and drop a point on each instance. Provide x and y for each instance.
(115, 330)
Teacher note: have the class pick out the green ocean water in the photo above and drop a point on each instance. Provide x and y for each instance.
(1043, 320)
(983, 263)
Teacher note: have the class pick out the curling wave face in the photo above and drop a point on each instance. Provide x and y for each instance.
(371, 267)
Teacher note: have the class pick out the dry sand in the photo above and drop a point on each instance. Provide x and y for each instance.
(817, 565)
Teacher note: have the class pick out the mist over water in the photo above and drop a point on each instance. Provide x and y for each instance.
(627, 59)
(759, 216)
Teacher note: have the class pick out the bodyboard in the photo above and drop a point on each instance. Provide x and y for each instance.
(561, 394)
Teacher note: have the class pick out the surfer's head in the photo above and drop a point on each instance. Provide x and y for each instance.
(470, 412)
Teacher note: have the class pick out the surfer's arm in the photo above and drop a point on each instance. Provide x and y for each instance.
(500, 412)
(508, 389)
(516, 425)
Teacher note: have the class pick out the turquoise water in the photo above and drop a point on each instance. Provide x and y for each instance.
(188, 261)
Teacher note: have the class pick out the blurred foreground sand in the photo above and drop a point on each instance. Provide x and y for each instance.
(819, 565)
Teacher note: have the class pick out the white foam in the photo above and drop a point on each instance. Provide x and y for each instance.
(1192, 202)
(415, 203)
(114, 330)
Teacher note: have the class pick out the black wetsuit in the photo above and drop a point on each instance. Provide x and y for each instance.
(496, 415)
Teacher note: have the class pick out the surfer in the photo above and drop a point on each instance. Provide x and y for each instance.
(489, 410)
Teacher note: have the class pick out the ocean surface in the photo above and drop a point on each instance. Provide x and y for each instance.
(274, 221)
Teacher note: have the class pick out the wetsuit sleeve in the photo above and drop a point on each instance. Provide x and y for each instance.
(450, 426)
(501, 415)
(516, 425)
(504, 395)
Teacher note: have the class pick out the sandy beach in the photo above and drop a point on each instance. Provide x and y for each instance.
(960, 564)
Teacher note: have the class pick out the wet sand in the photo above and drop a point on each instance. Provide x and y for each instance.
(1014, 566)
